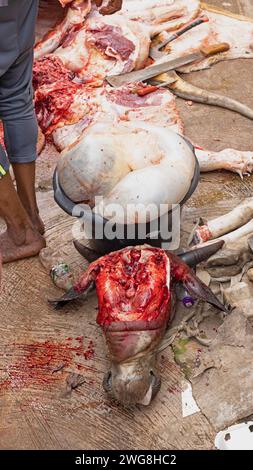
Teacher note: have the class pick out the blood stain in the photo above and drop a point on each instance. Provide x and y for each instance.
(40, 363)
(89, 353)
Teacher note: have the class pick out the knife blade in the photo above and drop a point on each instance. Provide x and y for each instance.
(166, 66)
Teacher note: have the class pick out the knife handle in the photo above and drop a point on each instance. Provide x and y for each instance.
(189, 26)
(215, 49)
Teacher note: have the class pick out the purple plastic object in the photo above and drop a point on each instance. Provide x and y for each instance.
(188, 301)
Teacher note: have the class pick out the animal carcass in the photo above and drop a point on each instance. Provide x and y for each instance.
(136, 298)
(120, 43)
(67, 109)
(238, 33)
(115, 44)
(73, 112)
(72, 22)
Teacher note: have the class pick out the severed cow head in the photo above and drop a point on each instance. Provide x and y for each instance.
(135, 289)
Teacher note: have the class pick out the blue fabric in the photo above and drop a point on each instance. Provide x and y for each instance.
(16, 93)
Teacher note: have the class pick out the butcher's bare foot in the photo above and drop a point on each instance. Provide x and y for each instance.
(37, 223)
(27, 244)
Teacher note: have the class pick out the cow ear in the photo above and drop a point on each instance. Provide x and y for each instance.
(199, 290)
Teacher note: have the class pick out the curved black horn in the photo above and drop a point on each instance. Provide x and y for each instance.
(196, 176)
(86, 252)
(60, 197)
(76, 209)
(194, 257)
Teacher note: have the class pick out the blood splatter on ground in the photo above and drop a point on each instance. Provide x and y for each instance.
(41, 363)
(89, 353)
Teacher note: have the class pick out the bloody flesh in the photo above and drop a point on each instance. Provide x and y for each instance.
(128, 96)
(52, 105)
(55, 92)
(135, 285)
(132, 287)
(111, 42)
(48, 70)
(136, 299)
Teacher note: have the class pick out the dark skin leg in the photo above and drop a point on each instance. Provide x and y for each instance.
(25, 180)
(21, 239)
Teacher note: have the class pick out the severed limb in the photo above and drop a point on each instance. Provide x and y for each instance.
(237, 161)
(226, 223)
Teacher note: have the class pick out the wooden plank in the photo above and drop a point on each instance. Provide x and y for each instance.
(87, 418)
(37, 415)
(245, 7)
(223, 11)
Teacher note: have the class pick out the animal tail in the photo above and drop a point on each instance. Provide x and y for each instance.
(188, 91)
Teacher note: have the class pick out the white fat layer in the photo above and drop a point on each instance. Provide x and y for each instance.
(155, 168)
(220, 28)
(167, 272)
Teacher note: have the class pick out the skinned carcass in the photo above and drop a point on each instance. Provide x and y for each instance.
(137, 167)
(114, 44)
(104, 46)
(120, 43)
(238, 33)
(132, 165)
(71, 112)
(67, 109)
(136, 298)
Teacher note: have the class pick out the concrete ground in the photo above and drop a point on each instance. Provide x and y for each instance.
(41, 349)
